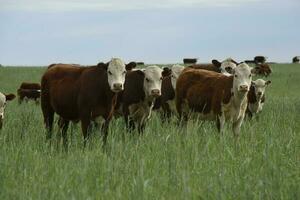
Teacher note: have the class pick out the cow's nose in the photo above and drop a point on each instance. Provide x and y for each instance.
(118, 86)
(244, 88)
(155, 92)
(259, 93)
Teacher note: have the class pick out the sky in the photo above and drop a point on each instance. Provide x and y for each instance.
(41, 32)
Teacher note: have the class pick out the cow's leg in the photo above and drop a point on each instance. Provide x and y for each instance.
(85, 124)
(221, 123)
(20, 100)
(63, 126)
(141, 127)
(236, 126)
(104, 130)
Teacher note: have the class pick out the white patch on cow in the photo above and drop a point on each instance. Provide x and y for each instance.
(227, 67)
(175, 72)
(116, 74)
(2, 105)
(152, 80)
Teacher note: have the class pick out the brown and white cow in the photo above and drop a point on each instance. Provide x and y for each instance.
(141, 89)
(214, 96)
(3, 99)
(256, 96)
(167, 99)
(263, 69)
(82, 94)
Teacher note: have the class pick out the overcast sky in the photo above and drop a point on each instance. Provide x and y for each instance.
(41, 32)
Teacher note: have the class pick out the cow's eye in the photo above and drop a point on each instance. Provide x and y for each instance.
(109, 72)
(235, 76)
(147, 80)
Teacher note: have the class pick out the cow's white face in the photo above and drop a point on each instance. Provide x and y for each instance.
(242, 78)
(175, 72)
(116, 74)
(260, 87)
(152, 81)
(227, 67)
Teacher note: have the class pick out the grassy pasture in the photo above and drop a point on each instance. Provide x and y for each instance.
(165, 163)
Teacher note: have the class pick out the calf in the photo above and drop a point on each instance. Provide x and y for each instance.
(81, 94)
(31, 86)
(256, 96)
(26, 94)
(141, 89)
(3, 99)
(214, 96)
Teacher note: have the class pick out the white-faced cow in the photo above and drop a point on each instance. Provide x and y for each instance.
(214, 96)
(256, 96)
(3, 99)
(141, 89)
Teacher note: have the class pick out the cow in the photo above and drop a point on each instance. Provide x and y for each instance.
(256, 96)
(260, 59)
(214, 96)
(167, 99)
(141, 88)
(296, 59)
(263, 69)
(190, 60)
(3, 99)
(27, 94)
(81, 94)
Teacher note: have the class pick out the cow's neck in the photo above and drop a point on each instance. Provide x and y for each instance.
(239, 98)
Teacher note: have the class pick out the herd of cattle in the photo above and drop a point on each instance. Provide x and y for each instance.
(220, 91)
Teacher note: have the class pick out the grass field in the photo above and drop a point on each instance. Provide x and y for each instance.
(165, 163)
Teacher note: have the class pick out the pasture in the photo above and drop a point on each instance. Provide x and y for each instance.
(167, 162)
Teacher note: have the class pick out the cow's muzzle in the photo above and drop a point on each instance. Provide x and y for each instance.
(117, 87)
(155, 93)
(243, 88)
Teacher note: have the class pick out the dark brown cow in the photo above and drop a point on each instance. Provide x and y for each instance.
(190, 60)
(27, 94)
(141, 89)
(81, 94)
(296, 59)
(63, 65)
(31, 86)
(260, 59)
(214, 96)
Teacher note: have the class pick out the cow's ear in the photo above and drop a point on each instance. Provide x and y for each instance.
(216, 63)
(166, 72)
(103, 65)
(268, 82)
(10, 97)
(235, 62)
(130, 66)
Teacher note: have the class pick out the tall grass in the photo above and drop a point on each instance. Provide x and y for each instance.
(167, 162)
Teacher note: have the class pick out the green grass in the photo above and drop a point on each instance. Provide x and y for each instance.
(165, 163)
